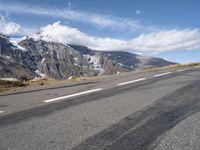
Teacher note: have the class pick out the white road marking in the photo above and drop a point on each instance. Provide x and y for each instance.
(72, 95)
(162, 74)
(183, 69)
(133, 81)
(1, 111)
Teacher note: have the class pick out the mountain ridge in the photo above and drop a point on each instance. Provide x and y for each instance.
(31, 58)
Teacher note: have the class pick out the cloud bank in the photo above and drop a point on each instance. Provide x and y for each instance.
(7, 26)
(167, 40)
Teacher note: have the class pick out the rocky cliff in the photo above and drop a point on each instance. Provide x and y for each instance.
(31, 57)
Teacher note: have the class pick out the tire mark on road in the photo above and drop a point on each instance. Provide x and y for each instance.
(141, 129)
(65, 104)
(47, 109)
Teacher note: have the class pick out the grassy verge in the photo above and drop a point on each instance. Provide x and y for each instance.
(8, 85)
(174, 66)
(184, 65)
(151, 68)
(17, 85)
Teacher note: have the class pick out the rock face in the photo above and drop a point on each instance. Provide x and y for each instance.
(125, 59)
(30, 58)
(54, 60)
(15, 61)
(135, 61)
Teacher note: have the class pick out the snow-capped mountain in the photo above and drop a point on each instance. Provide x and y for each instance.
(33, 57)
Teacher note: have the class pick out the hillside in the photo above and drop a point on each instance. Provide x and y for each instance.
(31, 58)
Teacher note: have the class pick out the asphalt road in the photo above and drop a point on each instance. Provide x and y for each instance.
(140, 110)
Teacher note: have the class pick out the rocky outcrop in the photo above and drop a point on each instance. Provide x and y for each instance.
(30, 58)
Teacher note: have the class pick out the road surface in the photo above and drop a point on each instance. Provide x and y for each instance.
(157, 109)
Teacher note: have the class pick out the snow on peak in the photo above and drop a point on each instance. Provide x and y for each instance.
(17, 46)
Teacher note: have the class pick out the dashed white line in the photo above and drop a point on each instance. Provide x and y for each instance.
(133, 81)
(1, 111)
(162, 74)
(72, 95)
(183, 69)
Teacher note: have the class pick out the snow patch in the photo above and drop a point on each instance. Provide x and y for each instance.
(17, 46)
(18, 39)
(76, 64)
(76, 59)
(94, 61)
(67, 45)
(125, 65)
(137, 53)
(165, 59)
(43, 59)
(8, 57)
(121, 64)
(40, 73)
(9, 79)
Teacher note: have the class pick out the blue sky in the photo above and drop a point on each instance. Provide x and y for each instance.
(169, 29)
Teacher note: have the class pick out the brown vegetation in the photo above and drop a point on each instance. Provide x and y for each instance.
(7, 85)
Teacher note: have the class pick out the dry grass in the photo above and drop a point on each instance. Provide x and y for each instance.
(185, 65)
(152, 68)
(8, 85)
(174, 66)
(17, 85)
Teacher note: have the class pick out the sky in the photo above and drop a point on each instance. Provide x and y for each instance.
(168, 29)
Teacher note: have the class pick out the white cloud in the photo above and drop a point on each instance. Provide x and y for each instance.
(185, 39)
(155, 42)
(27, 31)
(138, 12)
(67, 35)
(92, 18)
(7, 26)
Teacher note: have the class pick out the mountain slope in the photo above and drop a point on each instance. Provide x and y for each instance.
(34, 57)
(14, 60)
(125, 59)
(55, 60)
